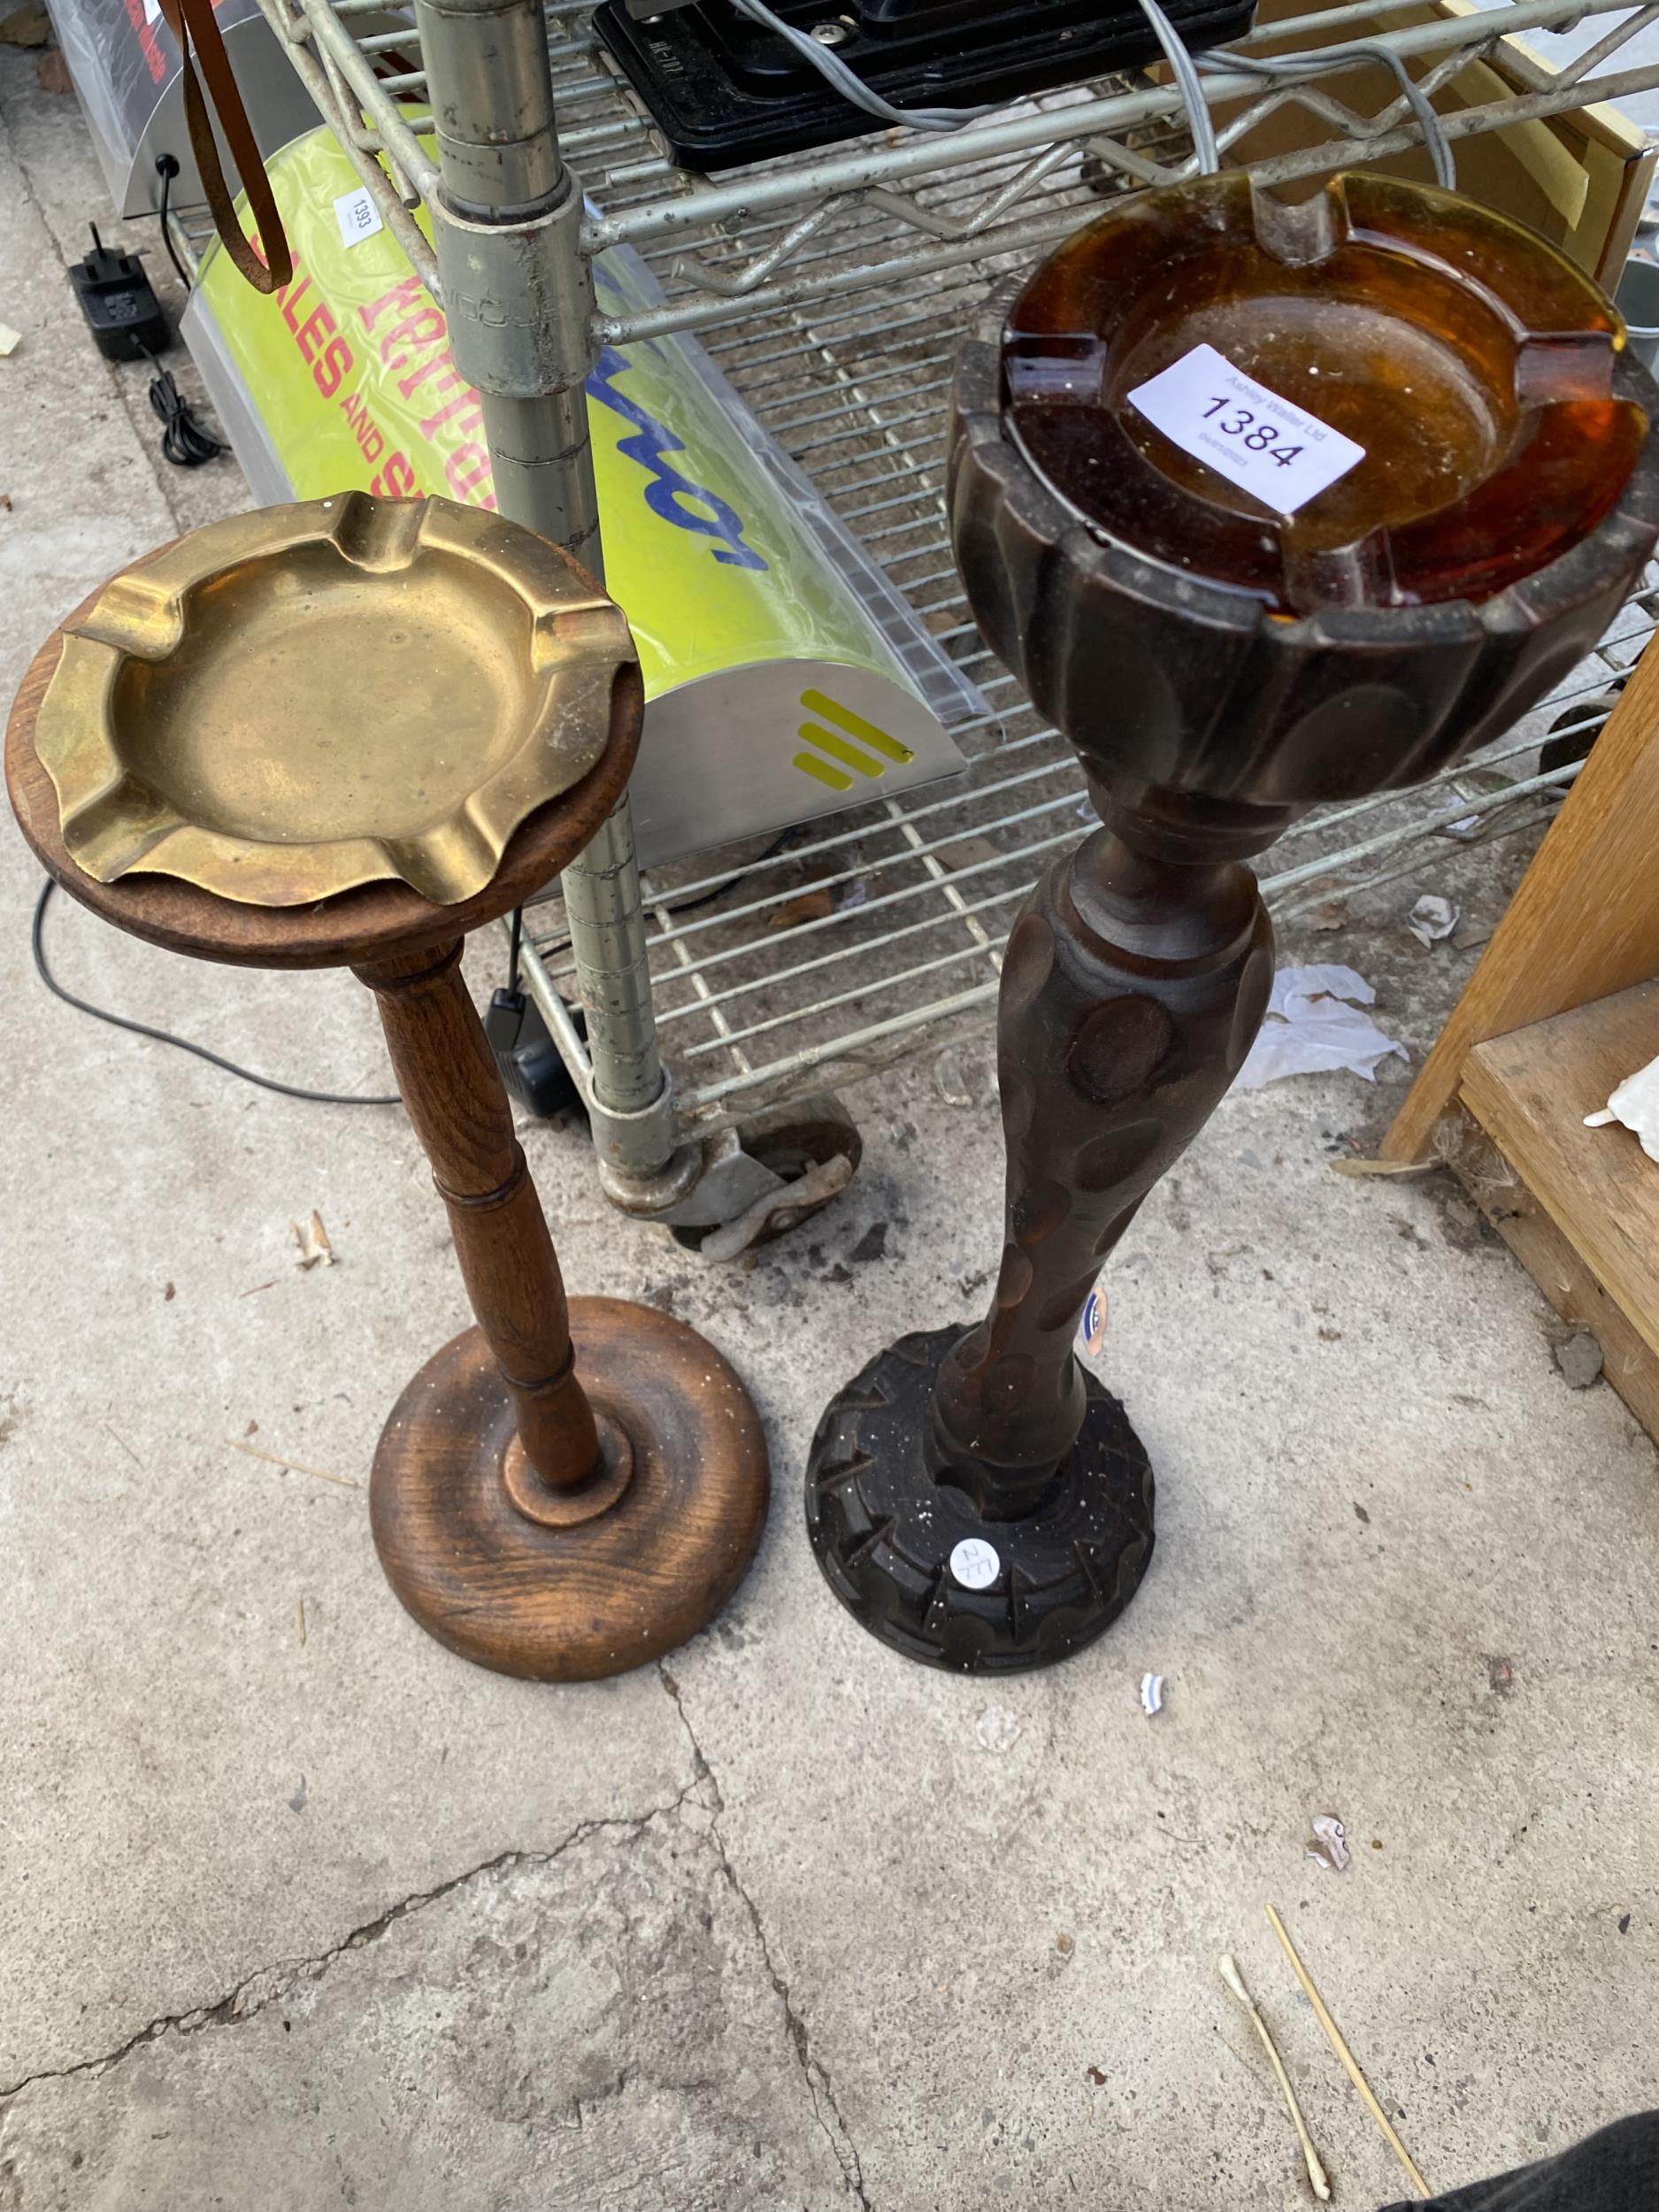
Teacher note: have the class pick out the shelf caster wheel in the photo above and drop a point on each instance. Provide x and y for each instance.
(810, 1151)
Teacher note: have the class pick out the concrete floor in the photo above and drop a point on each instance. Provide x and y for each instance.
(341, 1920)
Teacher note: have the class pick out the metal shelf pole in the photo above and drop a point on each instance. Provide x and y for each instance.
(518, 294)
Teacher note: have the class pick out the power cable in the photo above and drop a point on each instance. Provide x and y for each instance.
(37, 945)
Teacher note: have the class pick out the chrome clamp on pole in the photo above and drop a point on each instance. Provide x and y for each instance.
(518, 296)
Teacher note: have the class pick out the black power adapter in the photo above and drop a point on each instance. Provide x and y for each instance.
(530, 1063)
(122, 312)
(129, 323)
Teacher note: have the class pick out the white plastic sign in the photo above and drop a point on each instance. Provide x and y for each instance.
(1253, 437)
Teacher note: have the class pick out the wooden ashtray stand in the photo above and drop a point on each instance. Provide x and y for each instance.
(975, 1496)
(562, 1492)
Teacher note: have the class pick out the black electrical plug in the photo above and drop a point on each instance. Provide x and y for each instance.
(530, 1063)
(122, 312)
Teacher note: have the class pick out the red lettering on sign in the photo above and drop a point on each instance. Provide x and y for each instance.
(335, 365)
(146, 38)
(407, 384)
(318, 325)
(290, 297)
(404, 295)
(416, 325)
(465, 403)
(425, 327)
(396, 480)
(368, 432)
(465, 470)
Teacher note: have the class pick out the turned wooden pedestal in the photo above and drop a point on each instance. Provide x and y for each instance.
(562, 1492)
(975, 1496)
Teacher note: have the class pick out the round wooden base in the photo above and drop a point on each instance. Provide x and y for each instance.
(915, 1562)
(571, 1603)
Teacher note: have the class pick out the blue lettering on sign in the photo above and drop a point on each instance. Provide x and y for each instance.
(668, 489)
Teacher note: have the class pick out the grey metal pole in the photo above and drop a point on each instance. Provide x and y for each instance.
(519, 297)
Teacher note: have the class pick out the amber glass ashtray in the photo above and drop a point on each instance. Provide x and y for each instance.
(1384, 395)
(296, 701)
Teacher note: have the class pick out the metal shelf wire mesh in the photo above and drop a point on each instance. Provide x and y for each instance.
(786, 232)
(830, 291)
(806, 965)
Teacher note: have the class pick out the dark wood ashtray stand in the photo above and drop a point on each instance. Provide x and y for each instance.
(975, 1497)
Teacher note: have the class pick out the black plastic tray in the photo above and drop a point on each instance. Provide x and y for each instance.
(724, 90)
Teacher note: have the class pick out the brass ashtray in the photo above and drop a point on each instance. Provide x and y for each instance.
(298, 700)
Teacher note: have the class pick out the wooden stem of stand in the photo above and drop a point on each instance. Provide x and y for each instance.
(976, 1496)
(454, 1095)
(1134, 984)
(531, 1524)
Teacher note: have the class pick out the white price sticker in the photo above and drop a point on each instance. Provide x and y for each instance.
(1248, 434)
(358, 215)
(975, 1563)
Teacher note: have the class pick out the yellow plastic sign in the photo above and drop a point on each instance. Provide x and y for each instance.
(353, 377)
(783, 675)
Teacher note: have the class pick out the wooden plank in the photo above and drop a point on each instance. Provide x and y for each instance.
(1530, 1092)
(1494, 1184)
(1585, 921)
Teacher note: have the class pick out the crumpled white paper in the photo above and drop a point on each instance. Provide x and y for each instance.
(1329, 1848)
(1430, 919)
(1310, 1031)
(1636, 1103)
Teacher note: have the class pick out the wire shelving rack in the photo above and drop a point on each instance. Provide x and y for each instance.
(829, 289)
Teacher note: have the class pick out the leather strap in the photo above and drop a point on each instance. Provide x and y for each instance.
(196, 29)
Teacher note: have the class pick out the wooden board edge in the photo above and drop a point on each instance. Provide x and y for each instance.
(1498, 1191)
(1600, 1242)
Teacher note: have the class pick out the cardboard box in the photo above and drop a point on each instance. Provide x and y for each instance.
(1580, 178)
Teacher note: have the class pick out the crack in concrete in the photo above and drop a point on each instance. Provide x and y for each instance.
(701, 1770)
(267, 1984)
(819, 2087)
(814, 2073)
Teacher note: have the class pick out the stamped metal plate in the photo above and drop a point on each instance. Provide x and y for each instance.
(294, 700)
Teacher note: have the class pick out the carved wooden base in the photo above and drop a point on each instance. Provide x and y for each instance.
(888, 1533)
(605, 1576)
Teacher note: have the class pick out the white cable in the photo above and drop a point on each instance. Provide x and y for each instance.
(852, 86)
(1183, 67)
(1185, 75)
(1289, 67)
